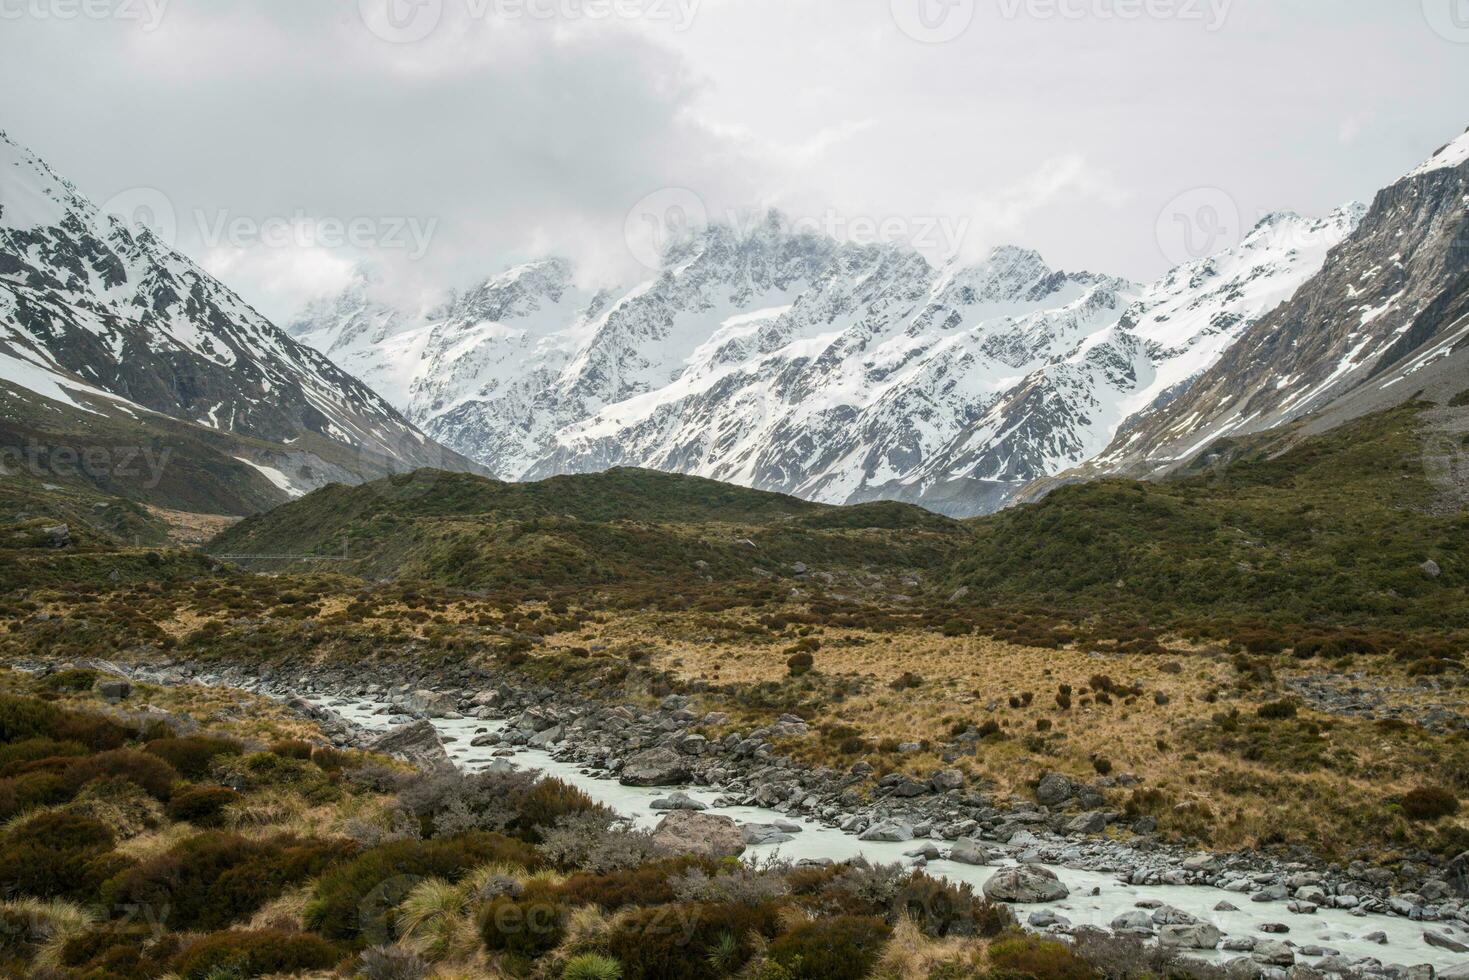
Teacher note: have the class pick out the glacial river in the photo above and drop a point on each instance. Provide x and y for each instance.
(1333, 929)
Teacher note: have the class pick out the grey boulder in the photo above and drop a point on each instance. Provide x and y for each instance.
(1026, 884)
(655, 767)
(702, 834)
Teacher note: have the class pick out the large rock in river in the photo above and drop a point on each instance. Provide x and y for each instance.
(700, 834)
(1027, 884)
(417, 743)
(655, 767)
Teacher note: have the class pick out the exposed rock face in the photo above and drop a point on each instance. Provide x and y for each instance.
(114, 691)
(1054, 788)
(98, 307)
(1027, 884)
(1199, 935)
(702, 834)
(417, 743)
(655, 767)
(1381, 322)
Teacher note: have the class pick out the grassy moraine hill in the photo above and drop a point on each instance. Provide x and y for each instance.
(1362, 526)
(624, 526)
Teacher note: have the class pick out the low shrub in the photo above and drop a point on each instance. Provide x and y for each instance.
(214, 879)
(69, 681)
(292, 748)
(202, 806)
(16, 758)
(24, 718)
(193, 756)
(907, 681)
(843, 947)
(530, 924)
(148, 772)
(23, 793)
(1277, 710)
(941, 908)
(266, 770)
(591, 966)
(689, 941)
(56, 855)
(120, 952)
(1429, 803)
(254, 953)
(355, 901)
(649, 884)
(1044, 959)
(800, 664)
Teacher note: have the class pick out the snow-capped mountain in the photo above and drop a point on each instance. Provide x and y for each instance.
(98, 315)
(789, 361)
(1384, 320)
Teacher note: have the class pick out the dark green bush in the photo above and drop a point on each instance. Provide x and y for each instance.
(23, 718)
(942, 908)
(117, 953)
(69, 681)
(16, 757)
(202, 806)
(547, 803)
(1277, 710)
(689, 941)
(94, 731)
(254, 954)
(800, 664)
(148, 772)
(647, 884)
(1043, 959)
(56, 855)
(293, 748)
(1429, 803)
(355, 901)
(22, 793)
(212, 880)
(530, 924)
(193, 755)
(844, 947)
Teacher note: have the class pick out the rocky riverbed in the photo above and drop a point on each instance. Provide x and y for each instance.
(1053, 857)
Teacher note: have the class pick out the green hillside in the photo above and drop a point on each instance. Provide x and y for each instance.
(621, 527)
(1335, 529)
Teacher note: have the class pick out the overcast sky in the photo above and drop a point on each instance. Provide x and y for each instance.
(447, 139)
